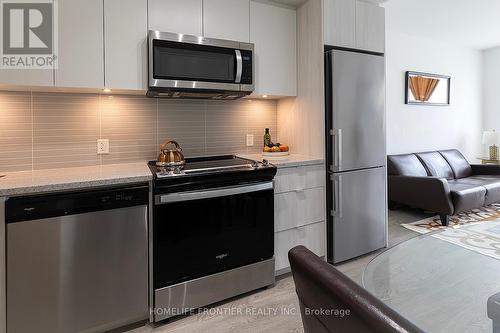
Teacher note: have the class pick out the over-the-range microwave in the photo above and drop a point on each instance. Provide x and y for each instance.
(185, 66)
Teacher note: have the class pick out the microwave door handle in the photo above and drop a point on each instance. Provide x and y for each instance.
(239, 66)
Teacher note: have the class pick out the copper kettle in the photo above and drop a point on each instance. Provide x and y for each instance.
(170, 157)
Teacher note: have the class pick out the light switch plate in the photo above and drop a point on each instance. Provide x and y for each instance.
(249, 140)
(102, 146)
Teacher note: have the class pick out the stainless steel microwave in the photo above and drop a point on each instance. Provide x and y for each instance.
(185, 66)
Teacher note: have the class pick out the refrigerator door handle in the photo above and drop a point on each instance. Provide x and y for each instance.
(337, 197)
(337, 148)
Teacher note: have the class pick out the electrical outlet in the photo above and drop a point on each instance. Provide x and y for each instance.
(249, 140)
(102, 146)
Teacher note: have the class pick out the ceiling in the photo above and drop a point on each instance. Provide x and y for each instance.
(471, 23)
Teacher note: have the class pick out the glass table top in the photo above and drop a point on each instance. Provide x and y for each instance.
(441, 281)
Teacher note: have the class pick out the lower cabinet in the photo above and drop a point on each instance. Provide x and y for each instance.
(311, 236)
(299, 212)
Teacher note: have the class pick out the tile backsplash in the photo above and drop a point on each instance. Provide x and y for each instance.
(52, 130)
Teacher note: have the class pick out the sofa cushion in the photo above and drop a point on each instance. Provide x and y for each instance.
(436, 165)
(466, 196)
(406, 165)
(490, 183)
(460, 166)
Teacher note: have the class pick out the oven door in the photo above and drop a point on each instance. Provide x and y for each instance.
(202, 232)
(179, 62)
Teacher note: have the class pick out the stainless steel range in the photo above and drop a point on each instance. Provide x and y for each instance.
(212, 232)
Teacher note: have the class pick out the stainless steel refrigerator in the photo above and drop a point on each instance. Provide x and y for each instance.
(356, 154)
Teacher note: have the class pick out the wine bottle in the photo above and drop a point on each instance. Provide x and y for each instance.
(267, 138)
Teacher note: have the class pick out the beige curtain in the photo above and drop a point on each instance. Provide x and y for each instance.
(422, 87)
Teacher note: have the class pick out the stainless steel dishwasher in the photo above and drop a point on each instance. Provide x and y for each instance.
(77, 261)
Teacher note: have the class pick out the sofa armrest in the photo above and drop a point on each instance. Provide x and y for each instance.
(429, 193)
(485, 169)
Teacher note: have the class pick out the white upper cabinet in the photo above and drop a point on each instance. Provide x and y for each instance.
(125, 38)
(80, 46)
(339, 23)
(354, 24)
(179, 16)
(273, 31)
(27, 77)
(370, 27)
(226, 19)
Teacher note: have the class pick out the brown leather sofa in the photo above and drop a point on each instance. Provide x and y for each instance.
(324, 292)
(442, 182)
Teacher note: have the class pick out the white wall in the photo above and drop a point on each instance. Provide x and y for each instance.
(491, 88)
(421, 128)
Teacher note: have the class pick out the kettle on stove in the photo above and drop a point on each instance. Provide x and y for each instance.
(170, 157)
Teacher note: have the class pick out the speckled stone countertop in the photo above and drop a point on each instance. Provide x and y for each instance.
(292, 160)
(50, 180)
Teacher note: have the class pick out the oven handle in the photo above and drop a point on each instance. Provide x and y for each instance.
(219, 192)
(239, 66)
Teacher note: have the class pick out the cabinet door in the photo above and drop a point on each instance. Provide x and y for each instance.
(183, 17)
(80, 44)
(273, 31)
(226, 19)
(311, 236)
(370, 27)
(27, 77)
(339, 23)
(299, 208)
(125, 27)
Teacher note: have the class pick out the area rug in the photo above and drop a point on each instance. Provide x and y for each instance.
(480, 215)
(483, 238)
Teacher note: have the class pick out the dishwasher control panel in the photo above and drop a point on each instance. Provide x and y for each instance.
(36, 207)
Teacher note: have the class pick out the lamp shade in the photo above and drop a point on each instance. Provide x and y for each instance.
(490, 138)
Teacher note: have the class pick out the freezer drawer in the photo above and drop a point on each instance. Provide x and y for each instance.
(355, 106)
(358, 216)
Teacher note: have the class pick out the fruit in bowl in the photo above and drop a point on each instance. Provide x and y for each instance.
(275, 148)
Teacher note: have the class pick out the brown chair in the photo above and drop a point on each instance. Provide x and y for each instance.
(322, 288)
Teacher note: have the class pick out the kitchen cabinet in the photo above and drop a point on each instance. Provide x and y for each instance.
(354, 24)
(227, 19)
(80, 47)
(299, 212)
(311, 236)
(339, 23)
(370, 27)
(184, 17)
(273, 31)
(125, 58)
(27, 77)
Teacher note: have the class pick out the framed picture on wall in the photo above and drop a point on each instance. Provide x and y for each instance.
(427, 89)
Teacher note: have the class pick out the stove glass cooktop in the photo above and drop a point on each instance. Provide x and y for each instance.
(207, 164)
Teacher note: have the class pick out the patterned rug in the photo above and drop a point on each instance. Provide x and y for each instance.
(475, 216)
(482, 238)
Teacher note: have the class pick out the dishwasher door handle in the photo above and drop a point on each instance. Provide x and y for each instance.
(213, 193)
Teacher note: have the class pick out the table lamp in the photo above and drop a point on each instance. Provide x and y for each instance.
(490, 138)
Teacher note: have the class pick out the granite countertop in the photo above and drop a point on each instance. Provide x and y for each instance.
(49, 180)
(292, 160)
